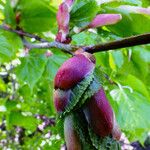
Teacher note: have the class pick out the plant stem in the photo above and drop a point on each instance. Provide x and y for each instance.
(126, 42)
(22, 33)
(122, 43)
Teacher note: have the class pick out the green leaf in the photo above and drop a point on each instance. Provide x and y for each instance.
(9, 14)
(83, 12)
(81, 127)
(90, 91)
(135, 64)
(37, 16)
(133, 82)
(77, 93)
(11, 105)
(144, 53)
(17, 119)
(146, 3)
(31, 69)
(132, 112)
(118, 58)
(2, 86)
(86, 38)
(9, 46)
(103, 143)
(115, 3)
(131, 23)
(53, 64)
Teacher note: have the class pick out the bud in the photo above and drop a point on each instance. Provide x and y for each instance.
(63, 18)
(136, 9)
(69, 3)
(18, 15)
(105, 19)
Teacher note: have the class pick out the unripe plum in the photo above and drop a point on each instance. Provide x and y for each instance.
(71, 137)
(99, 114)
(73, 71)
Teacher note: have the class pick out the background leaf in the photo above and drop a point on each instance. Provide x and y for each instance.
(31, 69)
(132, 110)
(79, 15)
(39, 16)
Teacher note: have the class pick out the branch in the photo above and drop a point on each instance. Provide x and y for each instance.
(22, 33)
(126, 42)
(67, 48)
(122, 43)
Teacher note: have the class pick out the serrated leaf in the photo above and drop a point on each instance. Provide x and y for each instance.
(81, 127)
(38, 16)
(79, 15)
(132, 110)
(77, 93)
(106, 143)
(90, 91)
(31, 69)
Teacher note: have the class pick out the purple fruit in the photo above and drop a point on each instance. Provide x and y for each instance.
(73, 71)
(99, 114)
(71, 137)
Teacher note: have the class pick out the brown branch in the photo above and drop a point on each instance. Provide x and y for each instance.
(22, 33)
(67, 48)
(122, 43)
(126, 42)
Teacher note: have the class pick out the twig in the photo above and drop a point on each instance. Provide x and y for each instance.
(64, 47)
(22, 33)
(126, 42)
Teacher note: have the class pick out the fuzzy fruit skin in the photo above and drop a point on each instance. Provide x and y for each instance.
(71, 137)
(73, 71)
(99, 114)
(61, 99)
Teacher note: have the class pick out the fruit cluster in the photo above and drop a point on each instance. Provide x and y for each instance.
(81, 102)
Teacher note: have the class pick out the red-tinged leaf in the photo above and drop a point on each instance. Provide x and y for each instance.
(63, 18)
(105, 19)
(69, 2)
(136, 9)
